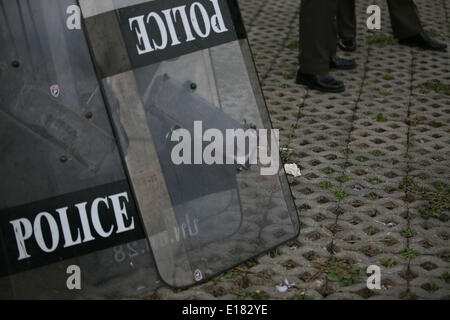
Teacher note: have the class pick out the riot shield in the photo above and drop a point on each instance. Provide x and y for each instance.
(66, 208)
(172, 65)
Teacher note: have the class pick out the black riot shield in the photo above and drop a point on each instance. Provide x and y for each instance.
(171, 65)
(69, 225)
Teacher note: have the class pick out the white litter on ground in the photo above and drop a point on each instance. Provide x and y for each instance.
(286, 287)
(292, 169)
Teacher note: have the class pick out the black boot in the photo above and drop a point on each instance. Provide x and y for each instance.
(348, 44)
(342, 64)
(423, 41)
(323, 82)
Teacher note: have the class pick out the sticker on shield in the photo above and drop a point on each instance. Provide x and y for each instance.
(64, 196)
(183, 92)
(198, 276)
(54, 90)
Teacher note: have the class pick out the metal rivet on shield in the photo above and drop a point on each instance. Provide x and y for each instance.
(89, 115)
(193, 86)
(15, 64)
(63, 159)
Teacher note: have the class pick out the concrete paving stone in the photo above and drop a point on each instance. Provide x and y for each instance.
(426, 286)
(339, 107)
(428, 105)
(314, 162)
(377, 145)
(329, 170)
(319, 209)
(423, 80)
(352, 90)
(431, 174)
(328, 127)
(431, 267)
(439, 222)
(388, 135)
(374, 182)
(377, 159)
(322, 124)
(373, 113)
(389, 58)
(431, 14)
(390, 289)
(382, 84)
(315, 177)
(373, 249)
(426, 140)
(422, 159)
(355, 208)
(426, 242)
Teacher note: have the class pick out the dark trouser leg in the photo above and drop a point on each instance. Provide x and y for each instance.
(346, 19)
(318, 35)
(404, 18)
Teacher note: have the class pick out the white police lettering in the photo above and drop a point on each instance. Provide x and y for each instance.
(194, 20)
(114, 205)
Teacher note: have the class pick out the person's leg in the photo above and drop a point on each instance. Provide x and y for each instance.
(404, 18)
(346, 25)
(318, 35)
(318, 41)
(407, 27)
(346, 19)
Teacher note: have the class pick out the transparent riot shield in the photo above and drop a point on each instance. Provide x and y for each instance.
(168, 66)
(69, 226)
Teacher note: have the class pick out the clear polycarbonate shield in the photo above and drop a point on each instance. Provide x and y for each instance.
(174, 74)
(69, 226)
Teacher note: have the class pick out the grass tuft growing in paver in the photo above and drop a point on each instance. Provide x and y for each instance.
(344, 271)
(385, 93)
(391, 242)
(372, 231)
(444, 255)
(328, 170)
(375, 181)
(410, 254)
(340, 194)
(274, 253)
(259, 295)
(378, 153)
(344, 178)
(325, 185)
(290, 75)
(436, 86)
(380, 39)
(304, 207)
(446, 277)
(430, 287)
(438, 200)
(303, 297)
(294, 45)
(388, 262)
(435, 34)
(362, 159)
(408, 233)
(373, 196)
(381, 118)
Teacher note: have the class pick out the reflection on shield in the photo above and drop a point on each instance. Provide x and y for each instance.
(200, 219)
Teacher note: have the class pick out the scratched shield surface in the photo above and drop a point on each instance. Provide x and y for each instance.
(57, 149)
(165, 65)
